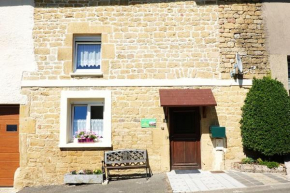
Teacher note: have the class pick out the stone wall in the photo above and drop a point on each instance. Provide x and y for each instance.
(42, 162)
(241, 30)
(152, 40)
(141, 41)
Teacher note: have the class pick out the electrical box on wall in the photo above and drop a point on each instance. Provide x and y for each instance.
(217, 132)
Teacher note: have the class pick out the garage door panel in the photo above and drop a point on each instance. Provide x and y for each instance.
(6, 182)
(9, 144)
(7, 169)
(9, 127)
(6, 157)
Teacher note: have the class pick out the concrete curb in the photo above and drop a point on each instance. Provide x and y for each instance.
(277, 188)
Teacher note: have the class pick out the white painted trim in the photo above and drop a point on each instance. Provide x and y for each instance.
(65, 113)
(135, 82)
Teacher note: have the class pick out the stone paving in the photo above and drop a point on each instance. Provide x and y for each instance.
(7, 190)
(197, 180)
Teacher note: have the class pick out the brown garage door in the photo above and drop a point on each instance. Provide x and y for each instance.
(9, 144)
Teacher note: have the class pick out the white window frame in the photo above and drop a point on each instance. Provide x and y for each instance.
(86, 40)
(67, 99)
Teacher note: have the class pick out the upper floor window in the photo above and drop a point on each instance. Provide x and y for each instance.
(87, 55)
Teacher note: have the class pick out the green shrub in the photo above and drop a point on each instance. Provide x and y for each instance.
(271, 164)
(267, 163)
(259, 161)
(97, 171)
(248, 160)
(265, 124)
(88, 172)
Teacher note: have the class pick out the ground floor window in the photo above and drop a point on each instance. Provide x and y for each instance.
(88, 111)
(88, 117)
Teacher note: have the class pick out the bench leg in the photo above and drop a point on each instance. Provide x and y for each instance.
(107, 174)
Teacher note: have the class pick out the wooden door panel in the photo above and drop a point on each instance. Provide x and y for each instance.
(190, 153)
(185, 138)
(177, 152)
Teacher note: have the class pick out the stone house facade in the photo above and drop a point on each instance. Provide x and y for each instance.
(142, 47)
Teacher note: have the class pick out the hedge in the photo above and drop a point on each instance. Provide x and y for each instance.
(265, 123)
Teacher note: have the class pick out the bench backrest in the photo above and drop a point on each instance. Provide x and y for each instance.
(125, 156)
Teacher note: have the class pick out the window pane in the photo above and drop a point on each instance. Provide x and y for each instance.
(97, 119)
(79, 119)
(97, 112)
(88, 56)
(12, 128)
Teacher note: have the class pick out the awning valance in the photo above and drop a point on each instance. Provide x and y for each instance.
(186, 97)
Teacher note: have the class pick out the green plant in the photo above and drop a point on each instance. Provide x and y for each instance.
(268, 164)
(88, 172)
(248, 160)
(74, 172)
(259, 161)
(97, 171)
(85, 135)
(265, 125)
(271, 164)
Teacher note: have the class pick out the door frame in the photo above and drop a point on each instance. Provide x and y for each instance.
(168, 112)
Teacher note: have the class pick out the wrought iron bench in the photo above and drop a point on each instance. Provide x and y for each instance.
(125, 159)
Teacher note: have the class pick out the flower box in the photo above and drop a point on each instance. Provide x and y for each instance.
(257, 168)
(83, 178)
(87, 140)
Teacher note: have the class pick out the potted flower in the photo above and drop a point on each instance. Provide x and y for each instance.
(86, 137)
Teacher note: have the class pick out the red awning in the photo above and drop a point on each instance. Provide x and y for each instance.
(186, 97)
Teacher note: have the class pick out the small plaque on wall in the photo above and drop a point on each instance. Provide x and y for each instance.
(148, 123)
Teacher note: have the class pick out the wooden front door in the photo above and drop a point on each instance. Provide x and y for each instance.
(185, 138)
(9, 144)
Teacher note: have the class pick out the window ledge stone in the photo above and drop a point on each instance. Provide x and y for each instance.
(85, 145)
(86, 74)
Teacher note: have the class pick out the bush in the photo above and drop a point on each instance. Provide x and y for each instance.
(265, 124)
(97, 171)
(271, 164)
(260, 161)
(248, 160)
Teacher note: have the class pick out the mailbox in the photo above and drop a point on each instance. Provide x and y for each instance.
(217, 132)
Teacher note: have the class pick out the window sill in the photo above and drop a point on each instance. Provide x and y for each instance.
(86, 74)
(85, 145)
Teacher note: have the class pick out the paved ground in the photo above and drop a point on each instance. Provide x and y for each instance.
(180, 181)
(156, 184)
(196, 180)
(6, 190)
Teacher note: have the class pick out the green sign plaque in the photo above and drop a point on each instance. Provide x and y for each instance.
(148, 123)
